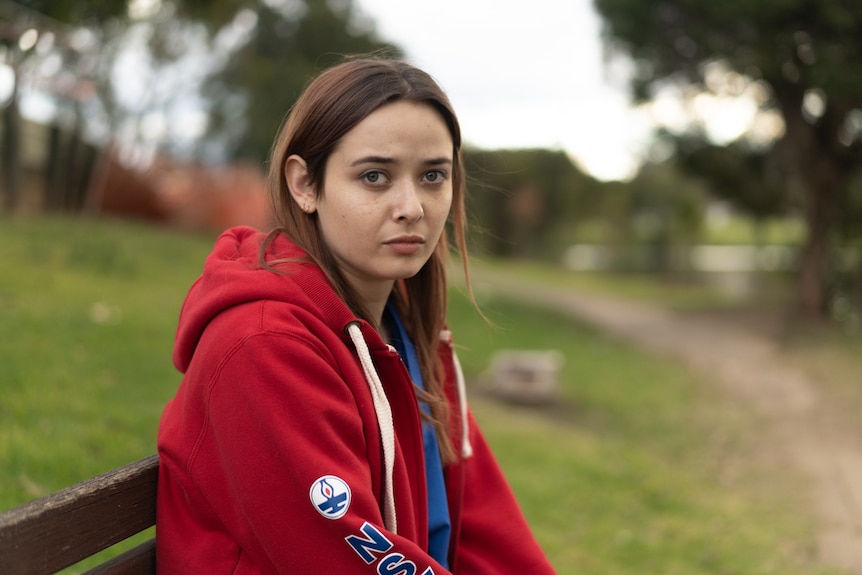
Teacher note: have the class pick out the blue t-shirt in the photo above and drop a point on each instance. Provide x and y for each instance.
(439, 525)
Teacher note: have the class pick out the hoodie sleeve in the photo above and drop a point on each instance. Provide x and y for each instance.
(494, 536)
(280, 477)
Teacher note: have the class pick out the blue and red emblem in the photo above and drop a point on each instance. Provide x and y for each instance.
(330, 495)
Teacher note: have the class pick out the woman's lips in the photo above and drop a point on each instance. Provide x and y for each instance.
(406, 245)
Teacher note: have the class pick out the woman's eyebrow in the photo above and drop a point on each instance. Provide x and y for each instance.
(373, 160)
(441, 161)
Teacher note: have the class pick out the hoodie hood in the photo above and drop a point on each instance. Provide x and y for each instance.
(233, 275)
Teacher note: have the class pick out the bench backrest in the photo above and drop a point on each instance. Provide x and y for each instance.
(61, 529)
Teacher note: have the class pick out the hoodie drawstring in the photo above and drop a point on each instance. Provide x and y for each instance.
(384, 421)
(384, 416)
(466, 446)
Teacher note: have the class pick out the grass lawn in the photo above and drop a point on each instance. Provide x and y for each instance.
(641, 467)
(638, 469)
(89, 309)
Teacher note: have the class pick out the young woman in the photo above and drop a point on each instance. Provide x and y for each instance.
(321, 425)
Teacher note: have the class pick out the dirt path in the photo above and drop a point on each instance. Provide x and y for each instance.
(807, 429)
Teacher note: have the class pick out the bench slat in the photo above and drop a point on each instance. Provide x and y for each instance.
(49, 534)
(141, 559)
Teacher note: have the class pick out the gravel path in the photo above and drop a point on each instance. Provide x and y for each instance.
(806, 428)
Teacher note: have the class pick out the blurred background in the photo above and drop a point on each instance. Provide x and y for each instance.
(675, 155)
(646, 136)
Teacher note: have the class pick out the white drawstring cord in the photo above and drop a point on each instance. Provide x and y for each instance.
(384, 420)
(466, 446)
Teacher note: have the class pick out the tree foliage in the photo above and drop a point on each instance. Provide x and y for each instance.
(33, 33)
(737, 173)
(805, 54)
(526, 202)
(72, 11)
(265, 76)
(259, 54)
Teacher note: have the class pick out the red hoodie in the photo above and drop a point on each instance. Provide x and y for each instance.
(276, 456)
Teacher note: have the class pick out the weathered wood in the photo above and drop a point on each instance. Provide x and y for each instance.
(49, 534)
(138, 561)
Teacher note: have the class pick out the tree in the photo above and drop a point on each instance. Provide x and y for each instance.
(738, 173)
(805, 54)
(33, 32)
(289, 44)
(525, 200)
(259, 54)
(664, 214)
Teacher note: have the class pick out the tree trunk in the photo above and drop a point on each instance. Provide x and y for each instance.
(10, 155)
(821, 192)
(814, 168)
(79, 165)
(53, 173)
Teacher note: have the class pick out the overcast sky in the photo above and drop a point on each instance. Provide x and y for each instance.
(522, 74)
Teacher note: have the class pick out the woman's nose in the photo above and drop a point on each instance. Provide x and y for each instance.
(409, 204)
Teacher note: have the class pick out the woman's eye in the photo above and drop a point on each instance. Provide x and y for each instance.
(374, 177)
(435, 176)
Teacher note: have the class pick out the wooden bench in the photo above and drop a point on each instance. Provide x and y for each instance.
(61, 529)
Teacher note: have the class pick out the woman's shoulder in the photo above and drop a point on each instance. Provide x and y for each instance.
(273, 320)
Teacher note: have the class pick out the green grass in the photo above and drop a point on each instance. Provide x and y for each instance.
(640, 468)
(88, 311)
(673, 292)
(740, 230)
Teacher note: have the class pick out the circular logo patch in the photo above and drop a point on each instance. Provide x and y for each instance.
(330, 495)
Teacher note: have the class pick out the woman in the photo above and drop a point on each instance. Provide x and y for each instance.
(321, 425)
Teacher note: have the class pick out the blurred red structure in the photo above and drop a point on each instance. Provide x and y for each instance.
(187, 195)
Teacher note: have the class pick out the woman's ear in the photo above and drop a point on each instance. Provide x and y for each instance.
(299, 183)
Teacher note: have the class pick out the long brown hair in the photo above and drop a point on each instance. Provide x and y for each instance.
(332, 104)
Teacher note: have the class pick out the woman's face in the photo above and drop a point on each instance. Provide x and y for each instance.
(386, 195)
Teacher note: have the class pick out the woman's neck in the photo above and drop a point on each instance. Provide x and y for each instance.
(374, 303)
(384, 333)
